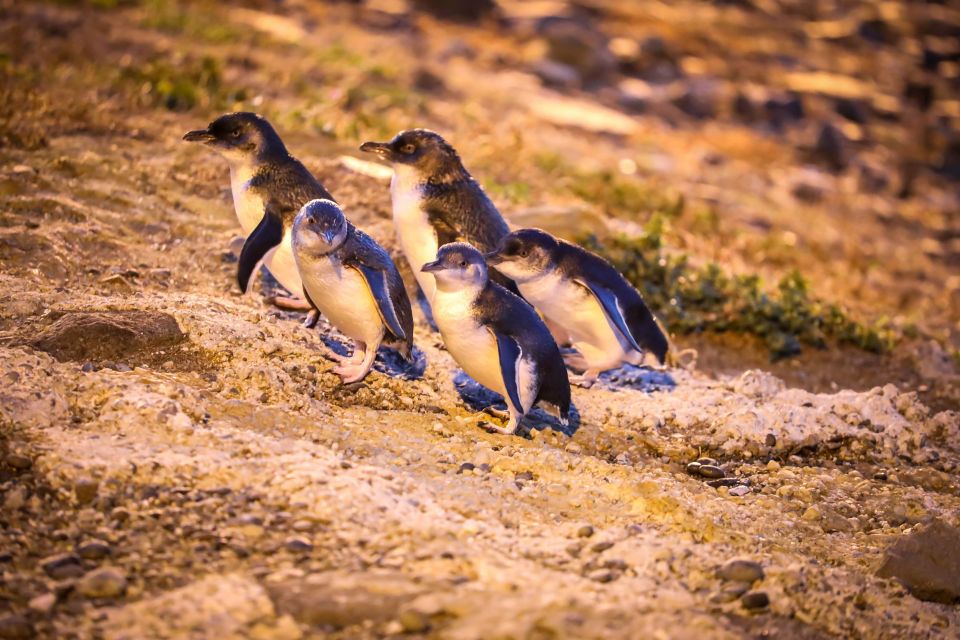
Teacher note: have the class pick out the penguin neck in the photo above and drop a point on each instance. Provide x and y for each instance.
(453, 292)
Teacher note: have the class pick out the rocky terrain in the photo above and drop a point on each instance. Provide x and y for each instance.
(178, 460)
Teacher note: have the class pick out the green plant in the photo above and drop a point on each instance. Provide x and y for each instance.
(692, 299)
(183, 86)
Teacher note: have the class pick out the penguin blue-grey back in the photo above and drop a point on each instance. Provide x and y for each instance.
(496, 337)
(352, 281)
(436, 201)
(269, 187)
(605, 317)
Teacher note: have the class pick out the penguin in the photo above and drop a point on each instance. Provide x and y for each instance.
(436, 201)
(604, 315)
(353, 282)
(496, 337)
(269, 188)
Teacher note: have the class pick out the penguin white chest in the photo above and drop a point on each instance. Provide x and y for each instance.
(343, 297)
(417, 237)
(573, 307)
(249, 206)
(470, 343)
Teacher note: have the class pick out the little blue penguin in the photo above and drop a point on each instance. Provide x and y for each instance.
(604, 315)
(436, 201)
(269, 188)
(496, 337)
(353, 282)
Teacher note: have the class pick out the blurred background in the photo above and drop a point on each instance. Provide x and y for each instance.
(780, 178)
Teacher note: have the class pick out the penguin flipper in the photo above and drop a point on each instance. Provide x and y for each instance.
(446, 232)
(510, 354)
(267, 235)
(611, 306)
(380, 289)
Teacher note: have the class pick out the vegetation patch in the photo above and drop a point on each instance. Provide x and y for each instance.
(692, 299)
(180, 87)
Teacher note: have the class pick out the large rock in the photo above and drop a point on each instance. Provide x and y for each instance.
(580, 46)
(107, 335)
(927, 562)
(341, 599)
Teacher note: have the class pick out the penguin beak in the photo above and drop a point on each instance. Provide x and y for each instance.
(493, 258)
(382, 149)
(329, 236)
(199, 135)
(432, 267)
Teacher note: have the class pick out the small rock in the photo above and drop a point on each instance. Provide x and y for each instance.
(693, 468)
(812, 513)
(43, 604)
(86, 490)
(413, 621)
(771, 440)
(585, 531)
(741, 570)
(755, 600)
(831, 148)
(62, 566)
(466, 466)
(601, 546)
(723, 482)
(926, 562)
(710, 461)
(602, 575)
(740, 490)
(93, 549)
(710, 471)
(556, 74)
(107, 582)
(15, 627)
(773, 466)
(19, 462)
(298, 545)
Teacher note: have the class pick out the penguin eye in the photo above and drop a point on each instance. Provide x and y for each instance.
(236, 133)
(523, 253)
(463, 263)
(408, 148)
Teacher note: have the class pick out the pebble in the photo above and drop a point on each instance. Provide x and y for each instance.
(585, 531)
(107, 582)
(773, 465)
(755, 600)
(19, 462)
(43, 604)
(740, 570)
(62, 566)
(15, 626)
(710, 471)
(466, 466)
(86, 490)
(707, 461)
(602, 575)
(601, 546)
(93, 549)
(771, 440)
(298, 545)
(740, 491)
(413, 621)
(812, 513)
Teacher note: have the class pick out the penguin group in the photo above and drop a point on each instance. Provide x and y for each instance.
(515, 309)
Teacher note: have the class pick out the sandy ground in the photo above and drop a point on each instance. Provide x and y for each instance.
(179, 461)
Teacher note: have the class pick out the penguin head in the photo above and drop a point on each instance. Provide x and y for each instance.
(524, 254)
(240, 137)
(458, 265)
(421, 150)
(320, 227)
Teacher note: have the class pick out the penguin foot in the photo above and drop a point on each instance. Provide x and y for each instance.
(574, 361)
(359, 364)
(289, 303)
(508, 430)
(313, 317)
(498, 413)
(352, 372)
(586, 379)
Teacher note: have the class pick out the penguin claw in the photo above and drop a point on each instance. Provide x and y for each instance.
(351, 373)
(498, 413)
(313, 316)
